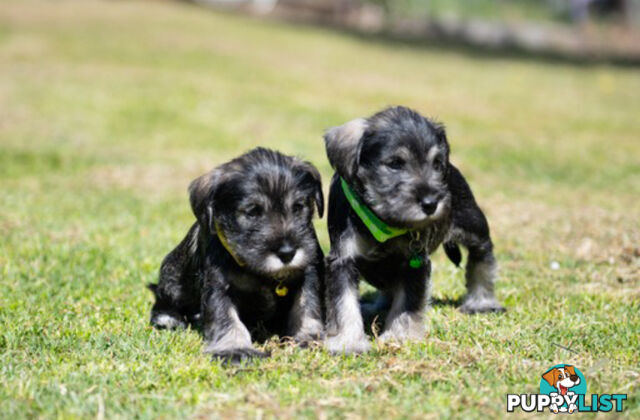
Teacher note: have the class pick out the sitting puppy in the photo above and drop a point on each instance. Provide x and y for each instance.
(251, 259)
(394, 199)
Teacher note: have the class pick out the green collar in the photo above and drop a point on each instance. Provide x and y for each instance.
(379, 229)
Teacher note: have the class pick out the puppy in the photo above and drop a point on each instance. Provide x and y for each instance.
(394, 198)
(251, 260)
(562, 379)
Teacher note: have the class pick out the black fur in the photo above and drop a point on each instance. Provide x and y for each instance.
(397, 162)
(263, 202)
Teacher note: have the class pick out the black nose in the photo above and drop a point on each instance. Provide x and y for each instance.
(574, 378)
(429, 205)
(286, 253)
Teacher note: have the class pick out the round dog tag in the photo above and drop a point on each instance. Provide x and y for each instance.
(415, 261)
(281, 290)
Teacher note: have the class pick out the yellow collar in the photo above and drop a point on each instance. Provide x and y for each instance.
(281, 290)
(225, 243)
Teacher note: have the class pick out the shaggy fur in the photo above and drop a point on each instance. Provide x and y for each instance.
(397, 162)
(262, 203)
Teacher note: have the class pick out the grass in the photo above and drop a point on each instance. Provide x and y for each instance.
(109, 109)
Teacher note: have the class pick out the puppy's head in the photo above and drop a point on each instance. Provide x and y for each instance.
(397, 161)
(263, 203)
(562, 378)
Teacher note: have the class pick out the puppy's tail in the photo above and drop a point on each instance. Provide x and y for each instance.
(453, 252)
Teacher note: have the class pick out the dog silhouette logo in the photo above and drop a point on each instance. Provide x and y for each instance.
(565, 381)
(563, 389)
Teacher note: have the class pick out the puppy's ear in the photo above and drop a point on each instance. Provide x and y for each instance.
(201, 191)
(312, 177)
(571, 369)
(342, 145)
(550, 377)
(441, 135)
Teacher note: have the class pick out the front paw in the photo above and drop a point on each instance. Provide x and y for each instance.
(311, 330)
(168, 321)
(478, 306)
(237, 356)
(392, 337)
(304, 340)
(414, 333)
(347, 344)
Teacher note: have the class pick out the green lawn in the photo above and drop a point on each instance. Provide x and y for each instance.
(109, 109)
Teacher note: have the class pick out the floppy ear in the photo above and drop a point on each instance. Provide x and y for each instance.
(312, 176)
(571, 369)
(551, 377)
(441, 135)
(342, 145)
(201, 192)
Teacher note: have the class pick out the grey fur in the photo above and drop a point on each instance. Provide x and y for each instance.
(261, 204)
(397, 162)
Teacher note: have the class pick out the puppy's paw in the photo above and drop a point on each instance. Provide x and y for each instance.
(479, 306)
(168, 321)
(305, 340)
(415, 333)
(310, 331)
(345, 344)
(392, 337)
(406, 326)
(237, 356)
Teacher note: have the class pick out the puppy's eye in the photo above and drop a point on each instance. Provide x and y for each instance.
(297, 207)
(395, 163)
(438, 164)
(253, 212)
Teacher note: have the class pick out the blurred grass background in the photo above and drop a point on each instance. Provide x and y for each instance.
(109, 109)
(600, 11)
(515, 10)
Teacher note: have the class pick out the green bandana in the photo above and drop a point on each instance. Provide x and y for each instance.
(379, 229)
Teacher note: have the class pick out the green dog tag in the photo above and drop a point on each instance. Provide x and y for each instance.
(415, 261)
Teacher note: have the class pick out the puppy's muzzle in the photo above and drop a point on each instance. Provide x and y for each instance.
(286, 252)
(428, 205)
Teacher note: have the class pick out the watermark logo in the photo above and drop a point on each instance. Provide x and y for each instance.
(563, 389)
(567, 382)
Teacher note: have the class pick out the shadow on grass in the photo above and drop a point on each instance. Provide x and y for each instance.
(374, 321)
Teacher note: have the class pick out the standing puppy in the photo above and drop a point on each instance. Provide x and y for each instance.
(251, 259)
(394, 199)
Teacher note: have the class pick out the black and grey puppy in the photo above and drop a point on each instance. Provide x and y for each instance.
(251, 259)
(394, 198)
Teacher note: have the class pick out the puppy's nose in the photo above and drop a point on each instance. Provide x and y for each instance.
(286, 253)
(429, 205)
(574, 378)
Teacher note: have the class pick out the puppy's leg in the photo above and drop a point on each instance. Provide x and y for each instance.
(171, 292)
(470, 229)
(345, 328)
(226, 337)
(405, 321)
(305, 319)
(480, 274)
